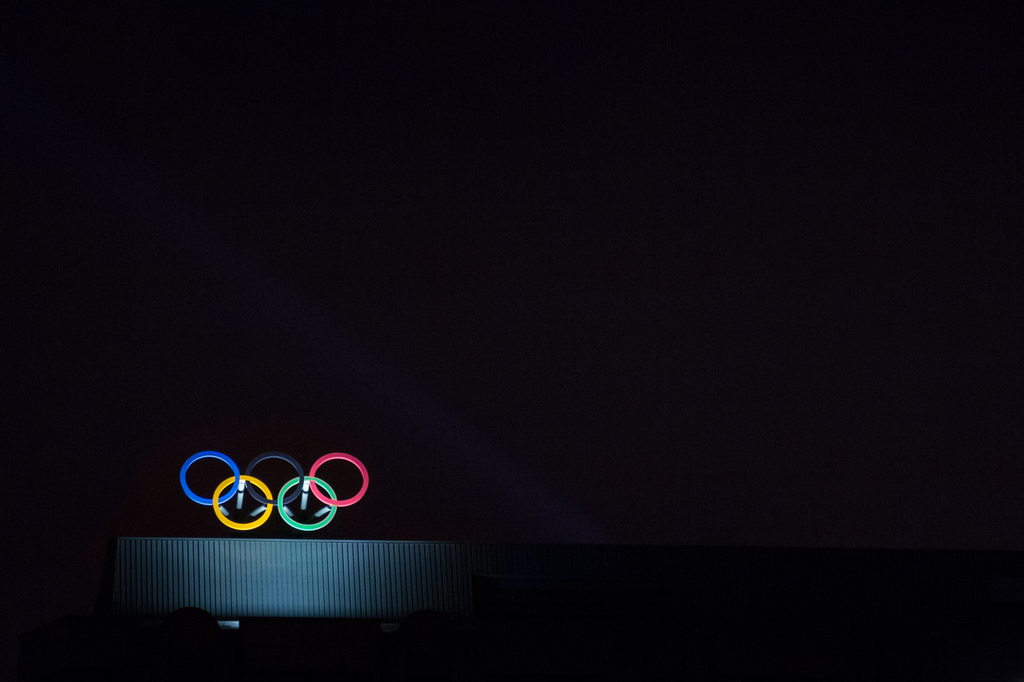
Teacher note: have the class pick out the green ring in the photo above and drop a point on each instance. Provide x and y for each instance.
(295, 524)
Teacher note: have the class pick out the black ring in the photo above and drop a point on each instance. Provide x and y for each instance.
(254, 491)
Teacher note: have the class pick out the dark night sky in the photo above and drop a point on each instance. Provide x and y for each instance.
(741, 275)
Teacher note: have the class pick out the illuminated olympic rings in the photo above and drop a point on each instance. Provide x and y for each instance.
(303, 484)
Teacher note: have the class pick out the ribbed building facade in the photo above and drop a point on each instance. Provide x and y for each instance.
(417, 610)
(385, 580)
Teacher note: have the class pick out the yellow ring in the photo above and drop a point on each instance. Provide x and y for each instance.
(234, 524)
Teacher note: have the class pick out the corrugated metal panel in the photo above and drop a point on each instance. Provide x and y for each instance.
(232, 578)
(388, 580)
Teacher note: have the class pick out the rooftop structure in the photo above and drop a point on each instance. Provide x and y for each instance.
(459, 611)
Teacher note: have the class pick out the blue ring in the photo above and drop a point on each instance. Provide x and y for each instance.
(207, 501)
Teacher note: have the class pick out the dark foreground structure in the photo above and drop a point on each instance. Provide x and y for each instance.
(282, 610)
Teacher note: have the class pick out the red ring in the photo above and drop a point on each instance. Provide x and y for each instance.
(330, 500)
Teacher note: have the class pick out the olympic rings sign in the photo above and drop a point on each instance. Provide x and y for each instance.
(239, 484)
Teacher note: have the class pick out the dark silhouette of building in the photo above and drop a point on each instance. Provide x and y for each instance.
(360, 610)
